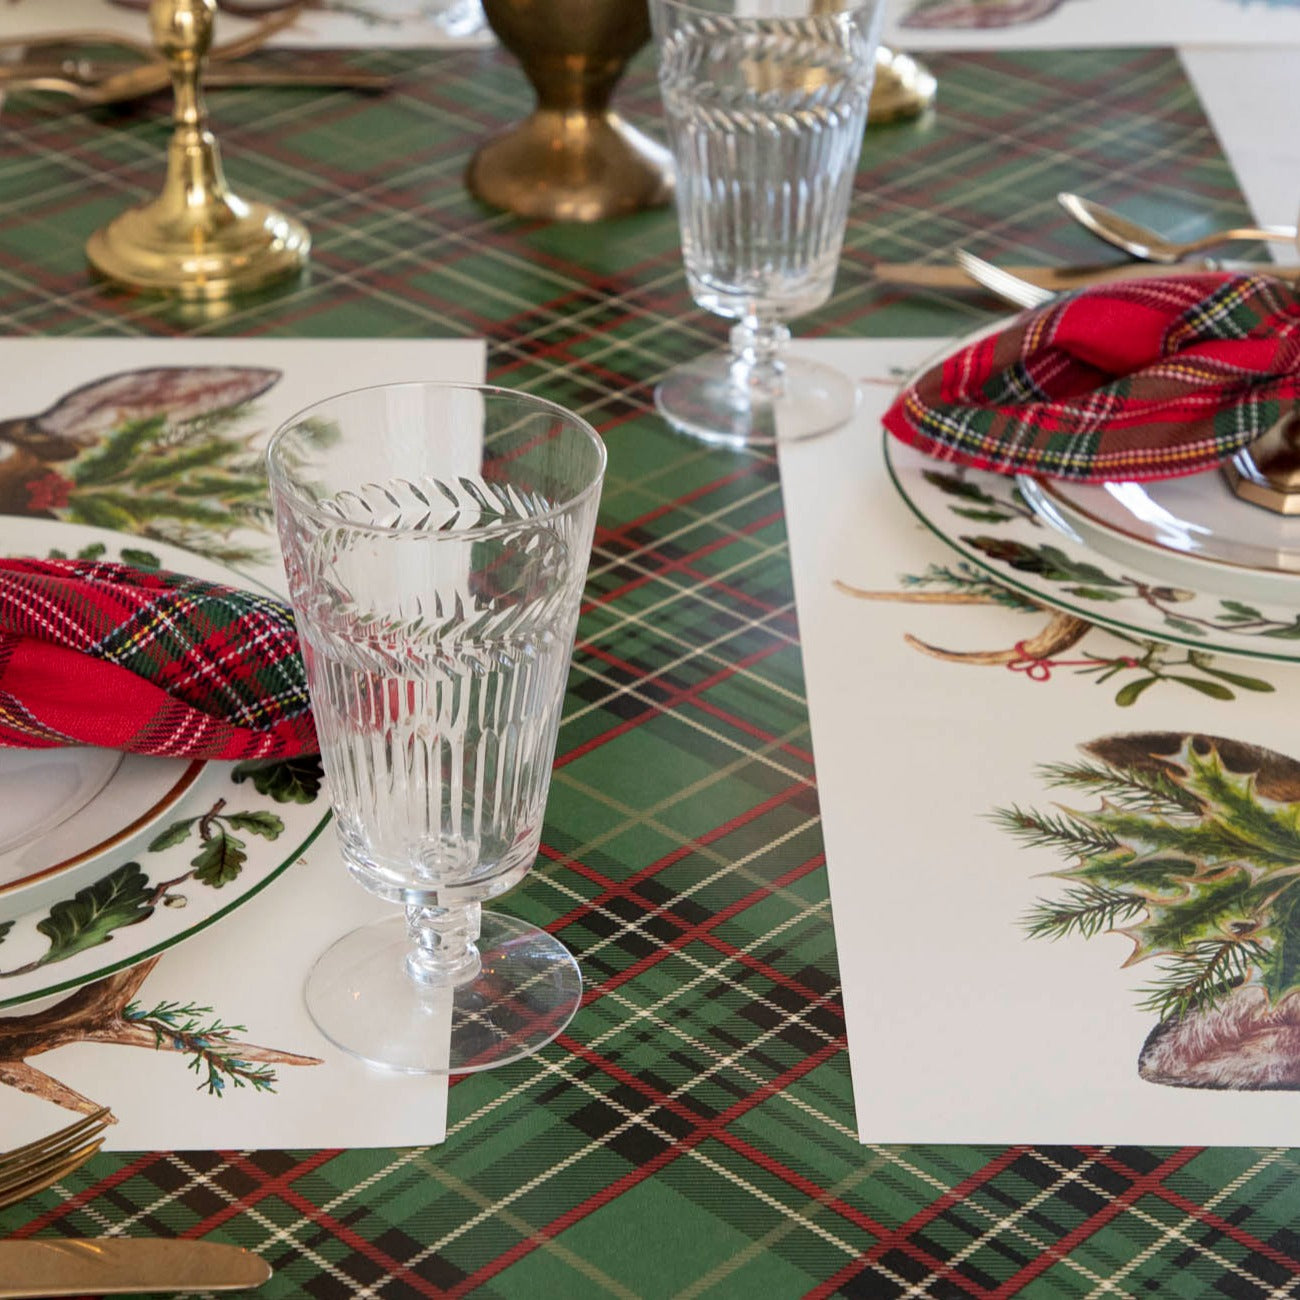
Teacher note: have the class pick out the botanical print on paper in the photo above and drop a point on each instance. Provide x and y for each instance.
(208, 850)
(164, 452)
(1012, 539)
(105, 1012)
(981, 14)
(977, 13)
(1189, 852)
(1134, 668)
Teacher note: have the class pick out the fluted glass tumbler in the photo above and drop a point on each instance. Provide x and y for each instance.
(766, 103)
(436, 540)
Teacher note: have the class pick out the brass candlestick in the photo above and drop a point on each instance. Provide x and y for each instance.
(196, 239)
(573, 159)
(903, 87)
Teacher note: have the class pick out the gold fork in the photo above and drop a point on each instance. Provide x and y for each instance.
(34, 1167)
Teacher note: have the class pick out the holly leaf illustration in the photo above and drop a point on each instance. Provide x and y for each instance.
(265, 824)
(289, 780)
(221, 858)
(176, 833)
(5, 927)
(90, 917)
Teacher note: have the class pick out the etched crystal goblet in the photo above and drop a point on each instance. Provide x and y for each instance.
(436, 540)
(766, 103)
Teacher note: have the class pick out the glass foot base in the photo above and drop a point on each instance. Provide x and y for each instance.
(363, 1000)
(699, 399)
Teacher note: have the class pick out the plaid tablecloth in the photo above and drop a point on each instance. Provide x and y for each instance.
(692, 1134)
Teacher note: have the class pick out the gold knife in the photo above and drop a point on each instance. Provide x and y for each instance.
(49, 1266)
(936, 275)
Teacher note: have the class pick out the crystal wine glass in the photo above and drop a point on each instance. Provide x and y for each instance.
(436, 539)
(766, 102)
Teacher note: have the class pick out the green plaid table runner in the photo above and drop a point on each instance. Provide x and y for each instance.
(692, 1134)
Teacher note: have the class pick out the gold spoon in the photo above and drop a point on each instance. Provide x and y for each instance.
(1148, 246)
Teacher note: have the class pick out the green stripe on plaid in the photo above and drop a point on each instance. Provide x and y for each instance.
(693, 1132)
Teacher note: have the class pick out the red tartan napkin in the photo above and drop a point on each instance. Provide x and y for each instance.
(97, 653)
(1140, 379)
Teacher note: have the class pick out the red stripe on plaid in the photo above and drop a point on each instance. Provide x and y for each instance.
(1247, 1240)
(1142, 379)
(99, 653)
(707, 1128)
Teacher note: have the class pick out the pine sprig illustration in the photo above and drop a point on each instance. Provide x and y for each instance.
(1200, 975)
(1069, 833)
(1186, 858)
(1086, 910)
(190, 483)
(966, 579)
(1153, 790)
(208, 1042)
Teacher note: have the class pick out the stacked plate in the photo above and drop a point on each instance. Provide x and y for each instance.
(108, 858)
(1183, 560)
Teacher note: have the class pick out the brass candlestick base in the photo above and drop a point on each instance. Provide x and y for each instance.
(903, 87)
(197, 239)
(1267, 473)
(573, 159)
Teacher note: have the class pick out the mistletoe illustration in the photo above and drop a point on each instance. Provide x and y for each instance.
(1140, 666)
(1191, 853)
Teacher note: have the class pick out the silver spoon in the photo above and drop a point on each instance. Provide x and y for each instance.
(1147, 246)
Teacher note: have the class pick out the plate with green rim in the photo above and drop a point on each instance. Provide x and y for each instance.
(1000, 525)
(184, 847)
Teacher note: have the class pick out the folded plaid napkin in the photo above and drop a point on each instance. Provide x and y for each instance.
(97, 653)
(1137, 379)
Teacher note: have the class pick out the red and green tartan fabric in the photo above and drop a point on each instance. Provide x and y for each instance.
(1139, 379)
(100, 653)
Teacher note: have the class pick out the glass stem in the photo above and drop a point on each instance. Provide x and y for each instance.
(442, 943)
(756, 365)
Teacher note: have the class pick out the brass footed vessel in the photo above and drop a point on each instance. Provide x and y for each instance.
(196, 239)
(573, 159)
(1267, 473)
(903, 87)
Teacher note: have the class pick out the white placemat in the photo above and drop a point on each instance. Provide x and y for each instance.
(1084, 24)
(248, 969)
(962, 1026)
(334, 24)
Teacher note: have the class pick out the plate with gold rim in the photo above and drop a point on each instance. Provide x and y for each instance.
(115, 858)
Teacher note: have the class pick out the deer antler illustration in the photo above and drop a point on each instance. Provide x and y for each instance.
(99, 1013)
(1061, 632)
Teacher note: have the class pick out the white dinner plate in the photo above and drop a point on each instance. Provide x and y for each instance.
(144, 853)
(64, 807)
(1226, 589)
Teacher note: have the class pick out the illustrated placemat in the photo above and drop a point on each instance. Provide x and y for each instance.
(1084, 24)
(330, 24)
(167, 985)
(1064, 854)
